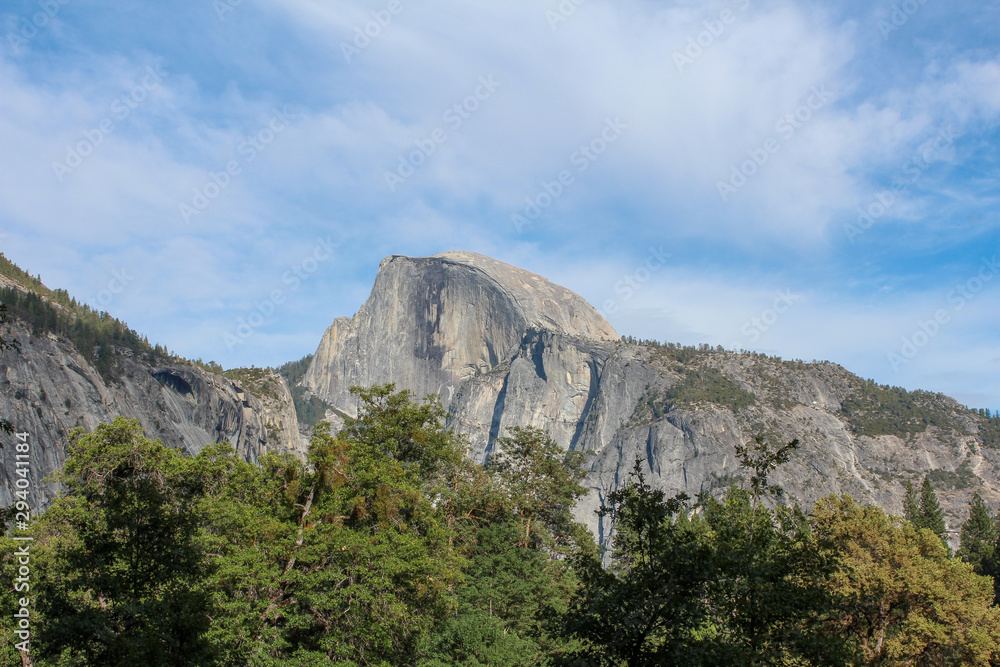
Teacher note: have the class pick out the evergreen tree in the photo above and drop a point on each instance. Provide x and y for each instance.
(931, 516)
(978, 535)
(911, 509)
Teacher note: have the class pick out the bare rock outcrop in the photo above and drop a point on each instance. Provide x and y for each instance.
(505, 348)
(47, 388)
(431, 323)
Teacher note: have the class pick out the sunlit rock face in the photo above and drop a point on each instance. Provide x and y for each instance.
(505, 347)
(47, 389)
(431, 323)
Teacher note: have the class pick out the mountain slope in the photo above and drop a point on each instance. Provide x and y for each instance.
(78, 368)
(507, 349)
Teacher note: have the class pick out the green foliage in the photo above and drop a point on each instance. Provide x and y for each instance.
(261, 382)
(760, 461)
(121, 573)
(386, 546)
(294, 371)
(644, 609)
(902, 600)
(682, 354)
(705, 384)
(978, 536)
(738, 587)
(708, 385)
(872, 409)
(389, 424)
(542, 483)
(22, 277)
(989, 429)
(931, 515)
(97, 336)
(962, 478)
(309, 411)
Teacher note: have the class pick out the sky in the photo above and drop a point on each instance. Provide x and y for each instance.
(814, 180)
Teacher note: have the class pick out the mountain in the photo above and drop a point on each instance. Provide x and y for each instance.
(77, 368)
(505, 347)
(431, 323)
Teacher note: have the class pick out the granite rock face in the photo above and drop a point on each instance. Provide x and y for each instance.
(504, 347)
(47, 389)
(431, 323)
(507, 348)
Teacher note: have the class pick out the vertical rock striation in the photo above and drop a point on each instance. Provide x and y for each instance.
(431, 323)
(505, 347)
(47, 388)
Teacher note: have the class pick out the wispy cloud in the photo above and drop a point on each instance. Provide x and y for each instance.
(838, 108)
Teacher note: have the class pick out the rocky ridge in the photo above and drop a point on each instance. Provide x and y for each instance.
(505, 348)
(47, 388)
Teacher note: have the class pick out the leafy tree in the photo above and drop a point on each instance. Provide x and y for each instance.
(542, 483)
(390, 424)
(506, 593)
(740, 587)
(647, 606)
(357, 567)
(903, 601)
(121, 571)
(767, 604)
(476, 640)
(512, 522)
(978, 535)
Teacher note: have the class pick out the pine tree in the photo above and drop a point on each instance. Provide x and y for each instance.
(978, 534)
(931, 516)
(911, 509)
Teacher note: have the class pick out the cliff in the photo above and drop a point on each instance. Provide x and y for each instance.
(47, 388)
(507, 348)
(432, 323)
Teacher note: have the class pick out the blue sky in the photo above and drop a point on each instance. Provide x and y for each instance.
(808, 179)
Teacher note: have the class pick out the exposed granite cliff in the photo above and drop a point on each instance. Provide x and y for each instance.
(433, 322)
(47, 388)
(504, 347)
